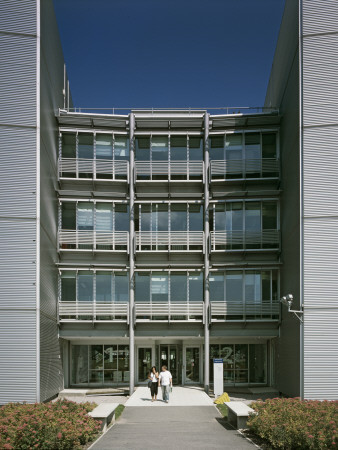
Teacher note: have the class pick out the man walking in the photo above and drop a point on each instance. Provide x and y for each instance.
(166, 382)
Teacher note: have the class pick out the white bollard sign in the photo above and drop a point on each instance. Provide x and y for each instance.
(218, 377)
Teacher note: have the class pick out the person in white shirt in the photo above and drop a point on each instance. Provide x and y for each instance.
(166, 382)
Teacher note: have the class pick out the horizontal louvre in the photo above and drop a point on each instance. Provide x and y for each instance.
(320, 16)
(244, 311)
(174, 240)
(169, 169)
(242, 168)
(18, 16)
(178, 311)
(80, 239)
(249, 240)
(70, 311)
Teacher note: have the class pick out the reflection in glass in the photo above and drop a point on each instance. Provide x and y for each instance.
(79, 370)
(159, 148)
(85, 286)
(192, 373)
(104, 146)
(144, 363)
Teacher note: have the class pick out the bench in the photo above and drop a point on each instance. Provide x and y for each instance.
(238, 413)
(105, 413)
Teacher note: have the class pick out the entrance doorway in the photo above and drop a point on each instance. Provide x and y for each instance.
(171, 356)
(192, 365)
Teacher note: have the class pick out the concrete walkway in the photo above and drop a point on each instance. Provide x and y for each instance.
(184, 427)
(180, 396)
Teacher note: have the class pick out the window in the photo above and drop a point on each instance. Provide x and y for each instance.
(121, 287)
(104, 146)
(121, 148)
(159, 286)
(216, 287)
(85, 146)
(68, 286)
(104, 217)
(68, 212)
(159, 148)
(195, 149)
(103, 287)
(68, 145)
(85, 216)
(178, 286)
(85, 286)
(178, 217)
(142, 149)
(217, 148)
(178, 148)
(142, 287)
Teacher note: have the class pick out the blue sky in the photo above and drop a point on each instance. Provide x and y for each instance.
(168, 53)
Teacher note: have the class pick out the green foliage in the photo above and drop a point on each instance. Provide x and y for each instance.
(62, 425)
(119, 411)
(296, 424)
(223, 409)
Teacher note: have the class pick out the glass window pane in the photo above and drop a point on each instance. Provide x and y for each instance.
(257, 363)
(68, 286)
(121, 217)
(162, 217)
(266, 286)
(103, 286)
(85, 284)
(269, 215)
(79, 364)
(195, 217)
(269, 147)
(142, 151)
(275, 295)
(68, 145)
(146, 217)
(86, 149)
(195, 149)
(159, 287)
(96, 357)
(216, 287)
(121, 148)
(104, 216)
(159, 148)
(227, 353)
(104, 146)
(121, 287)
(68, 216)
(252, 146)
(253, 216)
(234, 216)
(178, 217)
(142, 287)
(241, 356)
(220, 216)
(217, 147)
(123, 362)
(253, 287)
(85, 216)
(178, 148)
(234, 286)
(195, 287)
(178, 286)
(110, 357)
(144, 363)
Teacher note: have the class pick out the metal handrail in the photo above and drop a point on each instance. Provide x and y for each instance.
(170, 169)
(171, 240)
(185, 311)
(242, 168)
(80, 239)
(94, 310)
(245, 240)
(247, 310)
(106, 168)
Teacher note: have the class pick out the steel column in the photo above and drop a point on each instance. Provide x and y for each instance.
(206, 252)
(131, 256)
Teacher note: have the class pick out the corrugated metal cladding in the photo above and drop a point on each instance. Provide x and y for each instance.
(320, 16)
(17, 356)
(321, 263)
(51, 370)
(17, 264)
(321, 354)
(48, 275)
(17, 172)
(18, 16)
(18, 80)
(320, 172)
(320, 79)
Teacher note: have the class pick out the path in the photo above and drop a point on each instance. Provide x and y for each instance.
(197, 425)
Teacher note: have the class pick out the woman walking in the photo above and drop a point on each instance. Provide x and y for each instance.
(153, 377)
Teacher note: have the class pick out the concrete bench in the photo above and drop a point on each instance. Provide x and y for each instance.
(105, 413)
(238, 413)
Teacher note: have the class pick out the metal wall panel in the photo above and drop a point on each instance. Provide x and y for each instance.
(18, 80)
(18, 16)
(17, 172)
(321, 353)
(51, 98)
(320, 249)
(320, 172)
(320, 16)
(17, 356)
(320, 80)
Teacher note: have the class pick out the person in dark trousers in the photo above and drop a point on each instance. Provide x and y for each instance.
(153, 377)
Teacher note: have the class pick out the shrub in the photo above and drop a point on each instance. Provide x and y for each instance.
(62, 425)
(295, 424)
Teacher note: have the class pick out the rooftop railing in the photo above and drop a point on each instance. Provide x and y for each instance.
(96, 169)
(96, 311)
(244, 311)
(169, 311)
(244, 240)
(169, 241)
(93, 240)
(171, 171)
(244, 168)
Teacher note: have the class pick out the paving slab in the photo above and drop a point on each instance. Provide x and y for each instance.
(181, 427)
(180, 396)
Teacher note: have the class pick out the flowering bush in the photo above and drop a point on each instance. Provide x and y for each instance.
(62, 425)
(296, 424)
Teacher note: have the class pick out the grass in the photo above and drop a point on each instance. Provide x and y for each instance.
(223, 409)
(119, 411)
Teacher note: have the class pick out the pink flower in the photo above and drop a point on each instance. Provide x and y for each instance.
(59, 435)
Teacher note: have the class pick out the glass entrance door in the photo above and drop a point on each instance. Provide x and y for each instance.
(169, 358)
(192, 365)
(144, 363)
